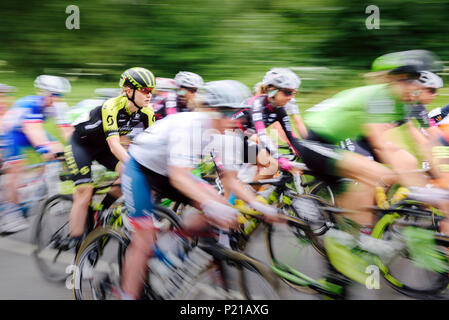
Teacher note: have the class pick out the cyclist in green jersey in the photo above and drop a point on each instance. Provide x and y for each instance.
(364, 115)
(97, 137)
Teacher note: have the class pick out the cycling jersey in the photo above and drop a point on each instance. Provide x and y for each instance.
(344, 115)
(182, 140)
(30, 109)
(438, 114)
(167, 103)
(112, 119)
(340, 119)
(261, 114)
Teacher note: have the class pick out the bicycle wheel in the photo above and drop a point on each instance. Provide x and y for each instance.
(195, 278)
(411, 278)
(322, 190)
(307, 208)
(50, 226)
(98, 265)
(224, 274)
(257, 281)
(296, 255)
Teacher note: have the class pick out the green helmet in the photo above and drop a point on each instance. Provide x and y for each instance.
(418, 59)
(138, 78)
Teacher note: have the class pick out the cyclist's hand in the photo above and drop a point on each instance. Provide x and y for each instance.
(220, 214)
(56, 147)
(270, 214)
(285, 164)
(48, 156)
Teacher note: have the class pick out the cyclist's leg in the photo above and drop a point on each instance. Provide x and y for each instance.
(137, 192)
(79, 161)
(12, 219)
(108, 160)
(335, 162)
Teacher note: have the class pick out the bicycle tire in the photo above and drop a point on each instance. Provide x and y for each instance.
(91, 265)
(43, 252)
(324, 191)
(401, 273)
(296, 255)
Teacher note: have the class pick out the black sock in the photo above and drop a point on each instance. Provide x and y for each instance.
(108, 201)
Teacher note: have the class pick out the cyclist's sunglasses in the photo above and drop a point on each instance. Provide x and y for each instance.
(191, 90)
(54, 94)
(146, 90)
(288, 92)
(432, 90)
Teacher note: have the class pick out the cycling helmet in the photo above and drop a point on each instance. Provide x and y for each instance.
(396, 62)
(430, 80)
(188, 79)
(227, 94)
(165, 84)
(281, 78)
(53, 84)
(4, 88)
(137, 78)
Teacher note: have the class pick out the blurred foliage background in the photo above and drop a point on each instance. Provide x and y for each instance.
(326, 42)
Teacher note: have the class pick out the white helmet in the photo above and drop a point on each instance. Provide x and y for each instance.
(430, 80)
(224, 94)
(4, 88)
(282, 78)
(188, 79)
(52, 84)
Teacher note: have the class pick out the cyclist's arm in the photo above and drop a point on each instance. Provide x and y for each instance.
(110, 127)
(423, 145)
(66, 131)
(239, 189)
(117, 149)
(293, 111)
(257, 120)
(181, 178)
(284, 120)
(302, 130)
(35, 133)
(384, 149)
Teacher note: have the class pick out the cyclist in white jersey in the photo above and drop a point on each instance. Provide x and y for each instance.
(162, 158)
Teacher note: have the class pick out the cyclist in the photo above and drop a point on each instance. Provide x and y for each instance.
(363, 113)
(162, 158)
(179, 94)
(430, 83)
(97, 137)
(278, 87)
(164, 91)
(5, 92)
(292, 110)
(23, 129)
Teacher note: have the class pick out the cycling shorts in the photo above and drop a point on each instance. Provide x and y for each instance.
(137, 183)
(79, 158)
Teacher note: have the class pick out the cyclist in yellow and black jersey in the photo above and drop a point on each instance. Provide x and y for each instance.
(97, 137)
(112, 119)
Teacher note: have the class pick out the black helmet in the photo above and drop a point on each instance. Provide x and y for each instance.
(138, 78)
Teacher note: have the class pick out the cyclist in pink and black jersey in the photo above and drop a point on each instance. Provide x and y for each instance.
(278, 88)
(177, 95)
